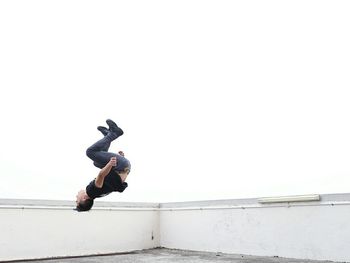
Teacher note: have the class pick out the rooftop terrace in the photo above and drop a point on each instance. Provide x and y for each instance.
(303, 229)
(171, 255)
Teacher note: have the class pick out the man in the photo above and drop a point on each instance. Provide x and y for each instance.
(114, 168)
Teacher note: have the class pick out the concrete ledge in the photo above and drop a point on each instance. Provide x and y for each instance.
(326, 199)
(71, 204)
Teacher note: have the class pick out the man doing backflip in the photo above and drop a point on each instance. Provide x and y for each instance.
(114, 168)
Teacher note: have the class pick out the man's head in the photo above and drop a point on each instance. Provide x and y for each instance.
(84, 202)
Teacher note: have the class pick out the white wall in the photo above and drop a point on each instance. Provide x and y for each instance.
(314, 230)
(46, 230)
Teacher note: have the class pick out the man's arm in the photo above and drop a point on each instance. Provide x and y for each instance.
(104, 171)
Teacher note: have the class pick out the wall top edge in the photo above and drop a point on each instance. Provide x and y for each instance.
(66, 203)
(342, 197)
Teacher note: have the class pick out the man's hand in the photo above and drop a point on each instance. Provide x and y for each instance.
(104, 172)
(121, 153)
(113, 161)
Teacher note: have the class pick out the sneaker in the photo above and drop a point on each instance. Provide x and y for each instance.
(114, 128)
(103, 130)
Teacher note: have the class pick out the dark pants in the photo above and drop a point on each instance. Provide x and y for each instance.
(98, 152)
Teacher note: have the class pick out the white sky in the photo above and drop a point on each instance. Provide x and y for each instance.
(217, 99)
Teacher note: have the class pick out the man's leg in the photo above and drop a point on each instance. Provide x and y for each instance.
(98, 152)
(104, 146)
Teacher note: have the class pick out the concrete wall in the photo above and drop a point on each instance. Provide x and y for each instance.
(39, 229)
(313, 230)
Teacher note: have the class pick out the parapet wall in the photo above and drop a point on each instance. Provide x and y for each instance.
(33, 229)
(318, 230)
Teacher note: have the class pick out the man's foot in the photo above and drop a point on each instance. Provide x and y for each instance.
(114, 128)
(103, 130)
